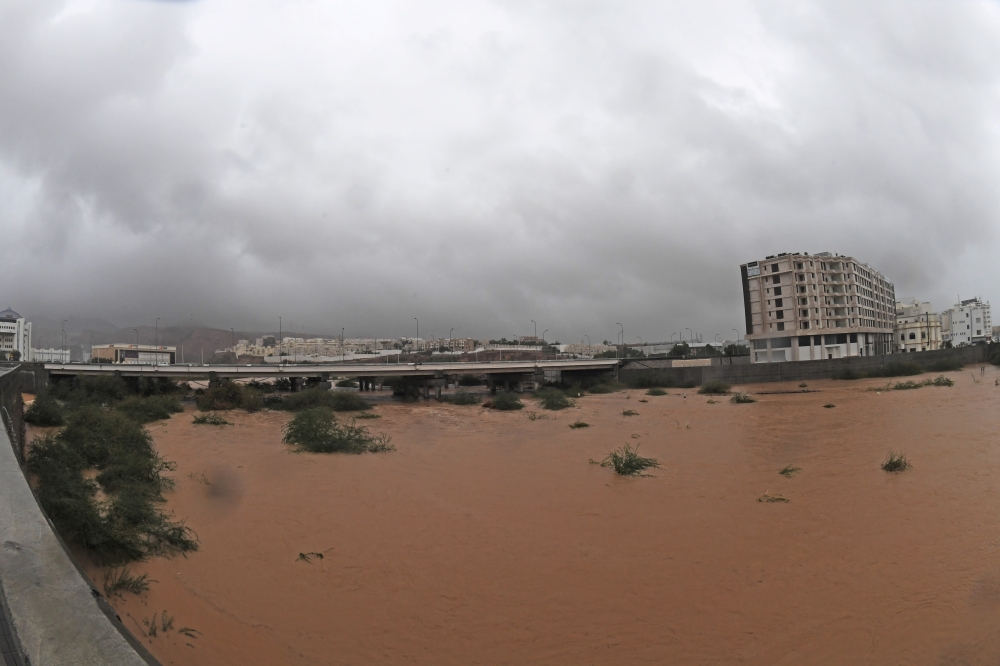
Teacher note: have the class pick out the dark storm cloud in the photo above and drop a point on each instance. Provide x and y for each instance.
(479, 165)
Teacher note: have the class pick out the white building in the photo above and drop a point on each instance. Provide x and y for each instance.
(15, 336)
(918, 327)
(966, 323)
(50, 355)
(802, 307)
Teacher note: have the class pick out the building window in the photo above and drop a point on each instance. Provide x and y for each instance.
(777, 302)
(780, 314)
(781, 326)
(777, 291)
(776, 279)
(774, 268)
(913, 336)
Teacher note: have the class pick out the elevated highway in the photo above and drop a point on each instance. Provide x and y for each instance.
(325, 370)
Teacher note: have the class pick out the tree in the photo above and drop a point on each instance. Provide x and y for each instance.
(15, 355)
(680, 349)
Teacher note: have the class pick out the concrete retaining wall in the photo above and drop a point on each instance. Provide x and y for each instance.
(57, 617)
(797, 370)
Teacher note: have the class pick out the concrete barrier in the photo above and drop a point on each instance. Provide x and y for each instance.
(753, 373)
(57, 617)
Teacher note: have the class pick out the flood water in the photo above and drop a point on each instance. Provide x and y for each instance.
(488, 538)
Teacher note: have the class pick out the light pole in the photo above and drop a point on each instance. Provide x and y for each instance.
(279, 340)
(342, 357)
(418, 331)
(737, 335)
(536, 329)
(691, 334)
(64, 332)
(451, 344)
(589, 351)
(543, 336)
(672, 336)
(156, 333)
(640, 344)
(622, 334)
(136, 345)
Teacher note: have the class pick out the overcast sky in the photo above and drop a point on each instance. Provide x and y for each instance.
(482, 164)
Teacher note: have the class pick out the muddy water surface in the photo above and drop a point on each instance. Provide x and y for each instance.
(488, 538)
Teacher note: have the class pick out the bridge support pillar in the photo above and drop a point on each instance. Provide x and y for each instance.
(539, 379)
(213, 380)
(439, 381)
(296, 384)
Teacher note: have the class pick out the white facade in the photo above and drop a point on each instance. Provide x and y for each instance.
(967, 322)
(15, 335)
(50, 355)
(918, 327)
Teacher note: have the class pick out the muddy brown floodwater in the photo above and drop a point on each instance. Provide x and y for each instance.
(487, 538)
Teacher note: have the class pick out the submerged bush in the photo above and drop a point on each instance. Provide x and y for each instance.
(210, 419)
(602, 388)
(128, 525)
(627, 461)
(152, 408)
(44, 411)
(346, 383)
(552, 398)
(230, 396)
(317, 430)
(505, 401)
(338, 401)
(656, 391)
(742, 398)
(896, 462)
(579, 424)
(714, 387)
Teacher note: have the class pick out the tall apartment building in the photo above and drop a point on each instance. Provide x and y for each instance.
(967, 323)
(802, 307)
(918, 327)
(15, 335)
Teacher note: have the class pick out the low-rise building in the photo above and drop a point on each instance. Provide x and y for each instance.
(15, 336)
(918, 327)
(802, 307)
(968, 322)
(50, 355)
(133, 354)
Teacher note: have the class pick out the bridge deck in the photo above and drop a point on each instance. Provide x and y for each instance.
(330, 369)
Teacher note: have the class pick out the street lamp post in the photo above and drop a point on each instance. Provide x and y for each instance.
(589, 351)
(451, 344)
(279, 340)
(156, 333)
(418, 331)
(543, 336)
(64, 332)
(342, 357)
(536, 330)
(136, 345)
(622, 334)
(691, 334)
(640, 344)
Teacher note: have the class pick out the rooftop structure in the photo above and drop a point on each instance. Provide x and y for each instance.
(802, 307)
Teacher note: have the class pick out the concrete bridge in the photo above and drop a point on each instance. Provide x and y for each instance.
(424, 376)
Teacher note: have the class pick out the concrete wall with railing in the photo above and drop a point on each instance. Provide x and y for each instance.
(57, 617)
